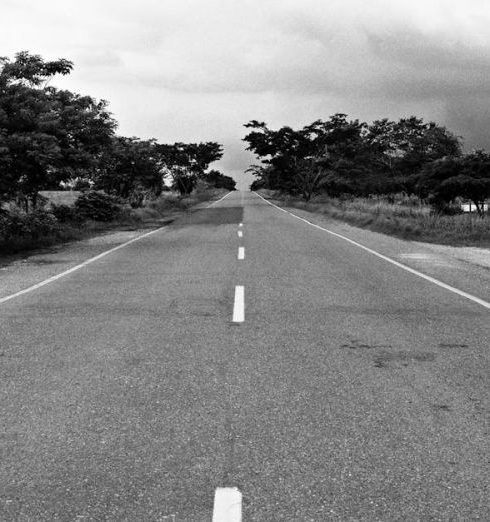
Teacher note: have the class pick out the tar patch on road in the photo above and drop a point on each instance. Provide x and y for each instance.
(356, 344)
(402, 358)
(214, 216)
(386, 356)
(450, 346)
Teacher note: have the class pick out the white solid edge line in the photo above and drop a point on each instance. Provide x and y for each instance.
(77, 267)
(87, 262)
(218, 200)
(241, 253)
(240, 233)
(433, 280)
(239, 305)
(227, 505)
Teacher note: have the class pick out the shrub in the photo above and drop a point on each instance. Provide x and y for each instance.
(31, 226)
(98, 206)
(66, 214)
(410, 220)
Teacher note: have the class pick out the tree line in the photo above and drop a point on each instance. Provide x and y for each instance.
(343, 157)
(50, 137)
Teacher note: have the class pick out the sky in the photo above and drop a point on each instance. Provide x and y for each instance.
(198, 70)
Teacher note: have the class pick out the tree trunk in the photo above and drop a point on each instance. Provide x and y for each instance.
(480, 208)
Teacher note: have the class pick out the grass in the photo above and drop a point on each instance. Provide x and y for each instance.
(155, 213)
(406, 218)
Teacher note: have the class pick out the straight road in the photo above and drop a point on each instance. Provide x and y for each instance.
(321, 381)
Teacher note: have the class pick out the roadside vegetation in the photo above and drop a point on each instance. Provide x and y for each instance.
(407, 178)
(401, 216)
(53, 140)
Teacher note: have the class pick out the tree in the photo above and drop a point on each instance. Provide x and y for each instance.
(358, 158)
(261, 172)
(217, 179)
(404, 147)
(185, 163)
(286, 150)
(310, 178)
(129, 165)
(45, 133)
(282, 151)
(31, 70)
(467, 177)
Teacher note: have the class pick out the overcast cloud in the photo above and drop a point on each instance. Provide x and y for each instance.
(182, 70)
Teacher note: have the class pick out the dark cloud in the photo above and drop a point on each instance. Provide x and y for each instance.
(424, 67)
(194, 70)
(469, 117)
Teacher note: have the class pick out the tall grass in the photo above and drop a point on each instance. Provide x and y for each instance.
(406, 217)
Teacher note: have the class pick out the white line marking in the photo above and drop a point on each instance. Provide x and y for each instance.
(77, 267)
(227, 505)
(240, 233)
(240, 225)
(241, 253)
(87, 262)
(239, 305)
(471, 297)
(220, 199)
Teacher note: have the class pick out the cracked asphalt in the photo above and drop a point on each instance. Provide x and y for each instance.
(353, 390)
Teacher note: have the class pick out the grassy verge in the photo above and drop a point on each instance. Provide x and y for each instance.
(407, 218)
(154, 214)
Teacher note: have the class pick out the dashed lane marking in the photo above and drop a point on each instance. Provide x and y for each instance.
(433, 280)
(240, 233)
(240, 225)
(241, 253)
(239, 305)
(89, 261)
(227, 505)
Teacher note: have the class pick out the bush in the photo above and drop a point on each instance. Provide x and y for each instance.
(410, 220)
(98, 206)
(31, 226)
(66, 214)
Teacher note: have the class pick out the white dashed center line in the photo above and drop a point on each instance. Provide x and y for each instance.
(239, 305)
(240, 225)
(241, 253)
(227, 505)
(240, 233)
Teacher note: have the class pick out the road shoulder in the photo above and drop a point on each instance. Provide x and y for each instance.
(466, 268)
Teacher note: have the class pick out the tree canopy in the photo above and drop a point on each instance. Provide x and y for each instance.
(468, 177)
(344, 156)
(49, 136)
(45, 133)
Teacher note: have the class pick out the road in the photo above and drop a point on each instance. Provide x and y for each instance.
(351, 390)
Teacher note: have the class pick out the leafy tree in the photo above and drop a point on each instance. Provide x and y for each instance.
(129, 165)
(474, 182)
(357, 158)
(282, 150)
(286, 150)
(446, 179)
(310, 178)
(257, 184)
(185, 163)
(217, 179)
(31, 70)
(404, 147)
(45, 134)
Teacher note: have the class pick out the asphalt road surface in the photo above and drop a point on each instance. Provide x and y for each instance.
(346, 388)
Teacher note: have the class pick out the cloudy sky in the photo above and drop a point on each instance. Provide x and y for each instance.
(193, 70)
